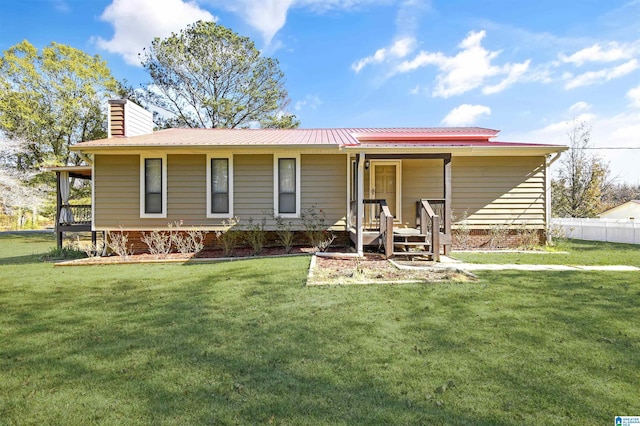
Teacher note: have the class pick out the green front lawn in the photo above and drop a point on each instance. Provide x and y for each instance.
(246, 342)
(565, 252)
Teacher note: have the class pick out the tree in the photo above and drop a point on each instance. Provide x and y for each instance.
(16, 194)
(583, 178)
(208, 76)
(620, 194)
(51, 100)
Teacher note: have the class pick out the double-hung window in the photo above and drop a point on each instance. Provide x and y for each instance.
(287, 186)
(153, 187)
(219, 186)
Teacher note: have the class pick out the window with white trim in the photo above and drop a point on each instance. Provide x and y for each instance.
(153, 186)
(287, 186)
(219, 186)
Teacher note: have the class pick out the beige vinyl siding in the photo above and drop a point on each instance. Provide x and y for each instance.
(253, 185)
(420, 179)
(116, 181)
(324, 183)
(187, 189)
(117, 192)
(498, 191)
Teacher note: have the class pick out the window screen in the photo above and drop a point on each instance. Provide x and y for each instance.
(153, 185)
(287, 185)
(219, 185)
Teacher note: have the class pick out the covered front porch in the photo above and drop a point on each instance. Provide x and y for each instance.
(71, 217)
(401, 204)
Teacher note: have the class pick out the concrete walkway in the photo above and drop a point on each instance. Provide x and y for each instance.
(454, 265)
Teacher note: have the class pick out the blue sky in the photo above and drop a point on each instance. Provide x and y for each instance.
(525, 67)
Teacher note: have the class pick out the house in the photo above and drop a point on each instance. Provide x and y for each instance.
(629, 210)
(387, 187)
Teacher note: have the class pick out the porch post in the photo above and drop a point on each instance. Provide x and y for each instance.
(547, 199)
(360, 205)
(58, 207)
(447, 202)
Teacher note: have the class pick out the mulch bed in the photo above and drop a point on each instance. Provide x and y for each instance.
(375, 269)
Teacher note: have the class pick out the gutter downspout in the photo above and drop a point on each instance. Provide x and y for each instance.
(547, 198)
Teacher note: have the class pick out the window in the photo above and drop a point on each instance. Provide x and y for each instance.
(153, 190)
(287, 186)
(219, 186)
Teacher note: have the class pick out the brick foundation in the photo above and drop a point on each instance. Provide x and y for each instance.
(512, 238)
(211, 242)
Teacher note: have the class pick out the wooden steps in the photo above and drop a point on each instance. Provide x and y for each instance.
(411, 243)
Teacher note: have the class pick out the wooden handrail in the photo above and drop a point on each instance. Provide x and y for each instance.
(386, 227)
(429, 217)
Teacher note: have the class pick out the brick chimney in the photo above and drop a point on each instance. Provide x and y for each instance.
(125, 118)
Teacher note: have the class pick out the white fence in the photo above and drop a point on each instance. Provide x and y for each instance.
(610, 230)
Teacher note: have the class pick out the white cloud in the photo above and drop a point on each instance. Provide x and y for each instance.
(137, 22)
(468, 69)
(579, 107)
(61, 6)
(266, 16)
(399, 49)
(269, 16)
(592, 77)
(613, 52)
(465, 115)
(514, 74)
(419, 90)
(634, 96)
(309, 101)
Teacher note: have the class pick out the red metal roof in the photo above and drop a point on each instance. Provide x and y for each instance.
(344, 137)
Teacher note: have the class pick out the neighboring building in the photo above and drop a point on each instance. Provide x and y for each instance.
(206, 176)
(629, 210)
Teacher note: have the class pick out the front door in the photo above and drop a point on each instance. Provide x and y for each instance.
(385, 179)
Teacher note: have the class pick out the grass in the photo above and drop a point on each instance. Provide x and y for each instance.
(246, 342)
(565, 252)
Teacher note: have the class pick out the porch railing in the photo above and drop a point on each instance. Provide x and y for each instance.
(76, 214)
(376, 218)
(438, 208)
(430, 224)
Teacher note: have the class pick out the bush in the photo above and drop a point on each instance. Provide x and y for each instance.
(255, 234)
(527, 237)
(65, 253)
(463, 232)
(159, 242)
(228, 237)
(117, 243)
(497, 235)
(285, 234)
(315, 229)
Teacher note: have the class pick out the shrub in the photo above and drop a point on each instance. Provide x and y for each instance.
(463, 233)
(117, 243)
(255, 234)
(228, 237)
(159, 242)
(527, 237)
(285, 234)
(196, 239)
(65, 253)
(315, 229)
(185, 242)
(497, 235)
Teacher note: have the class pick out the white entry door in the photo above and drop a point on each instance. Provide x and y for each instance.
(385, 184)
